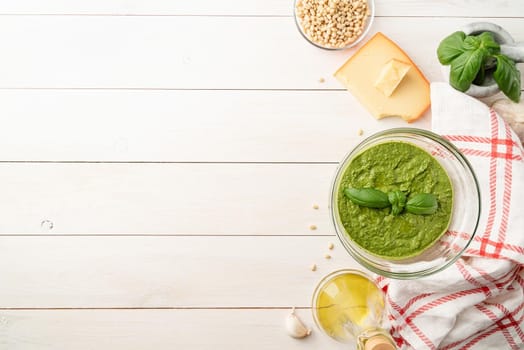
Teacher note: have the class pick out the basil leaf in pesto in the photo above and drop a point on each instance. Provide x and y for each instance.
(397, 199)
(422, 204)
(367, 197)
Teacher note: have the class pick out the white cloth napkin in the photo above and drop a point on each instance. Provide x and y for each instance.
(478, 302)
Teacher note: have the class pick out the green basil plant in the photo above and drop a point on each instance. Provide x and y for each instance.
(471, 57)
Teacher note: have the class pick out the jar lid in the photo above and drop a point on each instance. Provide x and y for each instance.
(379, 342)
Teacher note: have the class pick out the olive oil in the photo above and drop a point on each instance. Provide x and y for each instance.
(349, 307)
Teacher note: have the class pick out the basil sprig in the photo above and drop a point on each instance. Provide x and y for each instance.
(398, 201)
(471, 56)
(368, 197)
(420, 204)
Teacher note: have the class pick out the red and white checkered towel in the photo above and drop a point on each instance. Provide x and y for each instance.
(478, 302)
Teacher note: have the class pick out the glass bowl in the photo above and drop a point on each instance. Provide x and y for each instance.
(358, 286)
(368, 22)
(464, 217)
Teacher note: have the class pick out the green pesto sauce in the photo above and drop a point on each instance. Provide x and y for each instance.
(393, 166)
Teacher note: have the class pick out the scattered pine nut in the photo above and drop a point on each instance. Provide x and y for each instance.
(314, 267)
(360, 132)
(321, 80)
(331, 246)
(315, 206)
(313, 227)
(327, 256)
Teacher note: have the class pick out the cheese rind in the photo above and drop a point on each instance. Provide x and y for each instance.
(358, 74)
(391, 75)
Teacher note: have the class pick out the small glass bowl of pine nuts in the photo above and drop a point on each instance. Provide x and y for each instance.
(334, 24)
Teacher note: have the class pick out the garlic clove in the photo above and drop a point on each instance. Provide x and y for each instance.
(295, 327)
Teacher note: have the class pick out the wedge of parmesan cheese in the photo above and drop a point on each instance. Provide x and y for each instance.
(408, 100)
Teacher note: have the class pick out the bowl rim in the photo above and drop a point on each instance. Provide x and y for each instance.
(340, 231)
(369, 23)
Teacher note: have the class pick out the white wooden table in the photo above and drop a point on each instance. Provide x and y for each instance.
(160, 160)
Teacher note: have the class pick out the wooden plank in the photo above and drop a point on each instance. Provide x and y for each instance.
(179, 126)
(231, 199)
(480, 8)
(155, 329)
(164, 271)
(184, 53)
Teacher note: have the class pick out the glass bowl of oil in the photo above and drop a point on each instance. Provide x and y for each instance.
(349, 307)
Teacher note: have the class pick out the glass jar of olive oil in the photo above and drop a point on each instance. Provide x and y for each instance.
(349, 307)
